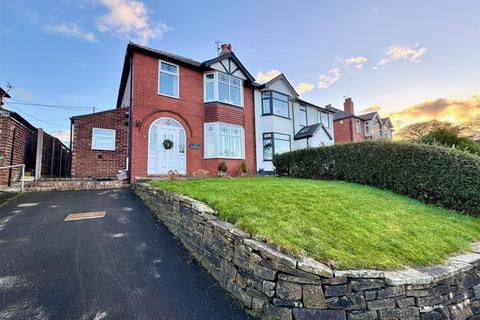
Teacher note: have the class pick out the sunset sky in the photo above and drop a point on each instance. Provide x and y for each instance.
(412, 60)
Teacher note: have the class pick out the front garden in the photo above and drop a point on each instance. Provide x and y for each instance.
(343, 224)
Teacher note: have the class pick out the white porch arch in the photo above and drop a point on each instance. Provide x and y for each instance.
(161, 159)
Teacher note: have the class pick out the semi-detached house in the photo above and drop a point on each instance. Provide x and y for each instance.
(175, 113)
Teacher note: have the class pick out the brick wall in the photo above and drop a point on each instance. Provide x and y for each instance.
(24, 147)
(345, 130)
(99, 163)
(189, 110)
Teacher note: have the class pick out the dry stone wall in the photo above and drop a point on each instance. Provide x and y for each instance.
(273, 285)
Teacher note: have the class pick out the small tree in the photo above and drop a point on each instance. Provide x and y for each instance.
(222, 168)
(243, 170)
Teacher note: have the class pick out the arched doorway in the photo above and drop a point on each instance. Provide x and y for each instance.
(166, 147)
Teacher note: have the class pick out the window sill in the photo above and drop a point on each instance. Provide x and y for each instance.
(168, 96)
(227, 158)
(275, 115)
(221, 102)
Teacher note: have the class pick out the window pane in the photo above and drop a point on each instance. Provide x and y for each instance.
(282, 136)
(209, 91)
(234, 82)
(281, 146)
(325, 121)
(210, 145)
(267, 149)
(266, 105)
(168, 67)
(303, 116)
(181, 144)
(223, 94)
(168, 84)
(235, 95)
(280, 96)
(223, 78)
(280, 108)
(153, 139)
(211, 76)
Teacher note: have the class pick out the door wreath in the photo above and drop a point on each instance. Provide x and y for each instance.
(167, 144)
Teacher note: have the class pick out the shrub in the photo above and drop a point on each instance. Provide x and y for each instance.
(172, 175)
(243, 170)
(434, 175)
(451, 138)
(222, 166)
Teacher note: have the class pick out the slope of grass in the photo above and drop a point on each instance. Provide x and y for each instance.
(344, 224)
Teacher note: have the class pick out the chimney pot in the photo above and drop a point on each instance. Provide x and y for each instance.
(348, 106)
(226, 48)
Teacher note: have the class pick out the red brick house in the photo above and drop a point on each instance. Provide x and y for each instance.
(349, 127)
(172, 113)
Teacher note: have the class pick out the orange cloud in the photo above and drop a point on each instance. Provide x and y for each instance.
(373, 108)
(443, 109)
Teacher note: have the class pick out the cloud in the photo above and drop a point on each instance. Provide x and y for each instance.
(304, 87)
(373, 108)
(262, 77)
(63, 136)
(442, 109)
(326, 80)
(410, 53)
(71, 30)
(130, 19)
(357, 62)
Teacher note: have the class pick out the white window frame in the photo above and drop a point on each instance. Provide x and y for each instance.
(358, 126)
(94, 138)
(300, 110)
(368, 128)
(216, 86)
(169, 73)
(216, 134)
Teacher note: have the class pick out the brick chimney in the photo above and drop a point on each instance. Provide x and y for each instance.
(3, 94)
(226, 48)
(348, 106)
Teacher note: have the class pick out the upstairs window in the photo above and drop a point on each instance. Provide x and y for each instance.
(324, 118)
(168, 79)
(224, 88)
(303, 116)
(274, 103)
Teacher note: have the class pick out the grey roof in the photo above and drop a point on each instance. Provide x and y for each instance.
(310, 131)
(339, 114)
(314, 105)
(385, 120)
(368, 116)
(280, 76)
(176, 57)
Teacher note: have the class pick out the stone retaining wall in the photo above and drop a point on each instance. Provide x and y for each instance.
(273, 285)
(73, 184)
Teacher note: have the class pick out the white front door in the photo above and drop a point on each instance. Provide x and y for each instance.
(160, 159)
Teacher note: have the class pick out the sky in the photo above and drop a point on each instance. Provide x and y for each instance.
(410, 60)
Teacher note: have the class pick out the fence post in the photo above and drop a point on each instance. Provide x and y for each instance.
(23, 177)
(38, 156)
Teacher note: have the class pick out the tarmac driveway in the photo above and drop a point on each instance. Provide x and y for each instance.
(123, 266)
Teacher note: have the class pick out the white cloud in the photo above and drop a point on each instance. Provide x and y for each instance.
(304, 87)
(357, 62)
(326, 80)
(130, 19)
(262, 77)
(71, 30)
(63, 136)
(410, 53)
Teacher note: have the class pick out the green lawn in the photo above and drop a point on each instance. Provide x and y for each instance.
(344, 224)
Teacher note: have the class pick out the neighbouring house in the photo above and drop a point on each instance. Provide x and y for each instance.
(172, 113)
(349, 127)
(22, 143)
(284, 122)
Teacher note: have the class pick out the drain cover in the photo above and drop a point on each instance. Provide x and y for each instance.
(85, 215)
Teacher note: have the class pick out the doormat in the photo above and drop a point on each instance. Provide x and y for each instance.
(85, 215)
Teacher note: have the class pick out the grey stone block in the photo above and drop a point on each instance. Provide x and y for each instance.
(363, 315)
(336, 290)
(272, 312)
(288, 290)
(287, 303)
(287, 277)
(390, 292)
(405, 302)
(365, 284)
(381, 304)
(461, 311)
(264, 272)
(318, 314)
(409, 313)
(269, 252)
(313, 297)
(336, 280)
(315, 267)
(349, 302)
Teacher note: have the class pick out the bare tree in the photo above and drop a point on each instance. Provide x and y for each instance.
(471, 128)
(416, 131)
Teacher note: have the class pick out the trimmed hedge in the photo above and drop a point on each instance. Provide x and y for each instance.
(434, 175)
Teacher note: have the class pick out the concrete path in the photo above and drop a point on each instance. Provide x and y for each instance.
(123, 266)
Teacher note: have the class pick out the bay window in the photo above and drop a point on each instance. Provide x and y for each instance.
(224, 141)
(168, 75)
(224, 88)
(275, 143)
(274, 103)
